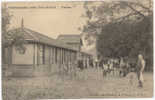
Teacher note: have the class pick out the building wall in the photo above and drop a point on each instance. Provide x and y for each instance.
(40, 59)
(26, 58)
(51, 55)
(47, 55)
(6, 55)
(35, 55)
(39, 54)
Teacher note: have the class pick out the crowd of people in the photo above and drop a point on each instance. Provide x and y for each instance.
(108, 66)
(125, 66)
(111, 65)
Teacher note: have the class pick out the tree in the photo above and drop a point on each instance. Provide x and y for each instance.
(123, 28)
(9, 37)
(6, 17)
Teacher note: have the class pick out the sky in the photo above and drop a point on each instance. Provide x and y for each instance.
(58, 18)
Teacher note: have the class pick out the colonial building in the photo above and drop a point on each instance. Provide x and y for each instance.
(42, 54)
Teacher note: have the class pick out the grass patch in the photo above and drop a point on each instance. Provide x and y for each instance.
(86, 84)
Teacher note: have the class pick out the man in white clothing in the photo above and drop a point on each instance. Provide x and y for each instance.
(140, 69)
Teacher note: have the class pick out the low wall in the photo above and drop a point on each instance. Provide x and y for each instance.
(17, 70)
(29, 70)
(45, 70)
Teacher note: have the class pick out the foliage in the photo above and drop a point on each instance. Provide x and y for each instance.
(123, 28)
(125, 39)
(11, 37)
(6, 17)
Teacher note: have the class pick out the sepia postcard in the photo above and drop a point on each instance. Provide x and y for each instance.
(77, 49)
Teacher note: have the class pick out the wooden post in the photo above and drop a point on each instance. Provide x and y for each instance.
(37, 54)
(10, 55)
(53, 57)
(34, 56)
(8, 51)
(49, 55)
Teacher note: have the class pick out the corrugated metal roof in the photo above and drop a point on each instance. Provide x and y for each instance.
(34, 36)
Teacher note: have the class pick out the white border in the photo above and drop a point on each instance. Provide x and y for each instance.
(58, 0)
(82, 0)
(0, 60)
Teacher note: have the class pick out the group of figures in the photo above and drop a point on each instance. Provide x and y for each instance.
(68, 69)
(121, 65)
(124, 66)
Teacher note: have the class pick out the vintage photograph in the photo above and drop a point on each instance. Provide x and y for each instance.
(77, 49)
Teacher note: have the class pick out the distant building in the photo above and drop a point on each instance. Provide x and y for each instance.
(72, 40)
(77, 42)
(89, 46)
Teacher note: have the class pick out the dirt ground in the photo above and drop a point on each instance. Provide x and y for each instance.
(86, 84)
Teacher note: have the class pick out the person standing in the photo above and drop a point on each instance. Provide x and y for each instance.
(122, 65)
(105, 69)
(140, 69)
